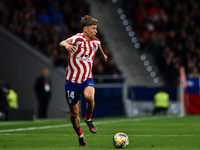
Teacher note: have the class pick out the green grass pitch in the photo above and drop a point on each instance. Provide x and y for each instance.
(145, 133)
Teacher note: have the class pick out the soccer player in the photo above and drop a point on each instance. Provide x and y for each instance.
(79, 80)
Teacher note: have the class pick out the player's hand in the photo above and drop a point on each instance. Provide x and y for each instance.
(70, 48)
(68, 45)
(105, 58)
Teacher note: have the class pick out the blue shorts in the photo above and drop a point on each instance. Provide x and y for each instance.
(74, 91)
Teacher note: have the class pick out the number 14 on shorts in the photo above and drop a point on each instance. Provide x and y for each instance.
(70, 94)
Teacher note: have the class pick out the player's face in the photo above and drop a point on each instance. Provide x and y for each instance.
(91, 31)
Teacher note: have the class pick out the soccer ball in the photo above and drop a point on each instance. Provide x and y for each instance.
(120, 140)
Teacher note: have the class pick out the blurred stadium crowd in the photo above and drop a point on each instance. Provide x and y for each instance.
(170, 31)
(44, 23)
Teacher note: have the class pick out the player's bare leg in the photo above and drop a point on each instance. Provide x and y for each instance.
(75, 120)
(89, 96)
(74, 111)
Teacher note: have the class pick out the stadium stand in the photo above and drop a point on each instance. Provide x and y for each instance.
(43, 24)
(170, 31)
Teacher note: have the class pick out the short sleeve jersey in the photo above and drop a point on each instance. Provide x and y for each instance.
(80, 62)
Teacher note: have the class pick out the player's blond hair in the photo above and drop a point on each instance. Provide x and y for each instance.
(88, 21)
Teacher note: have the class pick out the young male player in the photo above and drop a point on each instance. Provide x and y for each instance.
(79, 81)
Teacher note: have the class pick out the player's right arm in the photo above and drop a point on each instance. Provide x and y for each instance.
(68, 45)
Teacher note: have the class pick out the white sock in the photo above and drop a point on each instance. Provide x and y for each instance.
(88, 120)
(80, 136)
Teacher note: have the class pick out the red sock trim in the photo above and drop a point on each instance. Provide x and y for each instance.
(78, 131)
(88, 116)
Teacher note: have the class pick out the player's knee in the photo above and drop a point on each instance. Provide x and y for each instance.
(73, 115)
(89, 98)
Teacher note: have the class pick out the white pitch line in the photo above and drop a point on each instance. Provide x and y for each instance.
(83, 124)
(36, 128)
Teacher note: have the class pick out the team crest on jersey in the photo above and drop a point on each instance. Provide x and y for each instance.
(94, 48)
(70, 101)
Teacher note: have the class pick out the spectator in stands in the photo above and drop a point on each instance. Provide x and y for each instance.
(43, 16)
(43, 92)
(161, 102)
(55, 12)
(11, 96)
(195, 73)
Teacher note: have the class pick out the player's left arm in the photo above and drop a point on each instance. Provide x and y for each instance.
(103, 55)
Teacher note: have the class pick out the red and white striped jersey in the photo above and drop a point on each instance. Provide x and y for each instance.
(80, 62)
